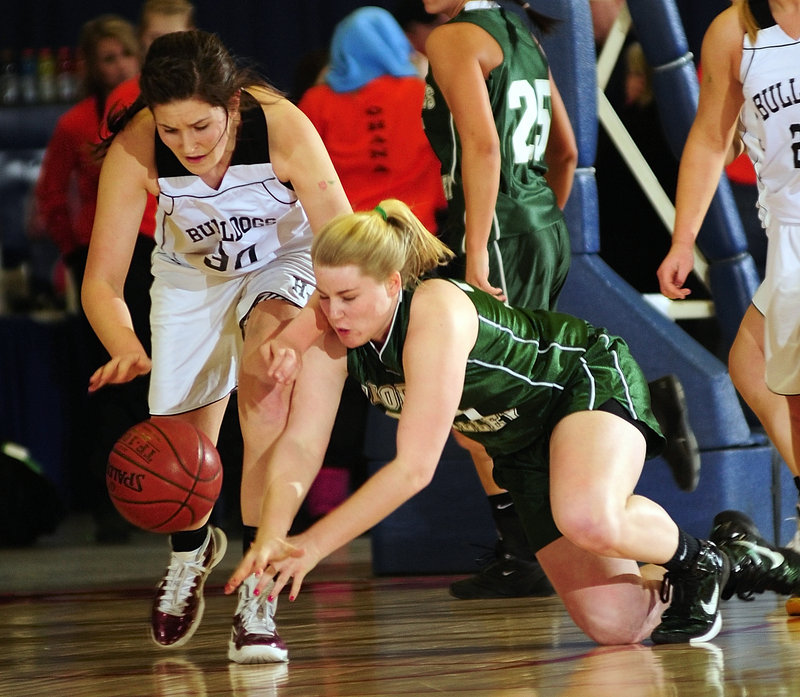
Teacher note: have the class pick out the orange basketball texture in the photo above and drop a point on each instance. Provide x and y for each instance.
(164, 475)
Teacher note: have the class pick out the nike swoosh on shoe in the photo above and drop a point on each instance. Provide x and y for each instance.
(776, 558)
(711, 606)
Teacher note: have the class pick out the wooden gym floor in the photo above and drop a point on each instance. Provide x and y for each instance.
(74, 622)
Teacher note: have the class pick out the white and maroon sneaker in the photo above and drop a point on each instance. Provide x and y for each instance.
(178, 604)
(254, 637)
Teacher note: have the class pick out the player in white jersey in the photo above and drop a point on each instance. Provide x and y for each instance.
(750, 56)
(242, 180)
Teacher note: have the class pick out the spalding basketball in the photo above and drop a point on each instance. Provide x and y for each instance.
(164, 475)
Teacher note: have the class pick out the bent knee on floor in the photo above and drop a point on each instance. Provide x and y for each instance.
(616, 628)
(615, 608)
(618, 636)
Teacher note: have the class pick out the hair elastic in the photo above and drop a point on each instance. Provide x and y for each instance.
(382, 212)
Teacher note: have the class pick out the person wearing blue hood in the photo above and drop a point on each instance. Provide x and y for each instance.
(368, 112)
(367, 108)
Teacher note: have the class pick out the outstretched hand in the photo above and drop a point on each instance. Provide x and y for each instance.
(120, 369)
(278, 560)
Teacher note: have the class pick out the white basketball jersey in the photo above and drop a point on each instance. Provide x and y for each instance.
(770, 75)
(250, 220)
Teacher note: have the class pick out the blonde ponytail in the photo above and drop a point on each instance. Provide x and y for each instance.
(386, 239)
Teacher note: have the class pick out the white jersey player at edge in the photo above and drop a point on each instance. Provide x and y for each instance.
(749, 59)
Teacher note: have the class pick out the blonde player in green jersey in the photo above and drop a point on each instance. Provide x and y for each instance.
(561, 406)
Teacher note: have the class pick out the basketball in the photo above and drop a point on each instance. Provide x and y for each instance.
(164, 475)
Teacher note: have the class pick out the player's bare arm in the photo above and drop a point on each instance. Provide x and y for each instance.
(706, 148)
(125, 180)
(300, 157)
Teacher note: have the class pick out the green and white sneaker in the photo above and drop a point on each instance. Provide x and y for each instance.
(694, 595)
(756, 565)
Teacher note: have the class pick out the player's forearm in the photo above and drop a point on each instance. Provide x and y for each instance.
(307, 327)
(481, 177)
(383, 493)
(110, 318)
(698, 178)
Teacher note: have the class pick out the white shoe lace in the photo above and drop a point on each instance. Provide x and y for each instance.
(180, 581)
(255, 610)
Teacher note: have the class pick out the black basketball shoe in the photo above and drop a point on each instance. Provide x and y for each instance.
(756, 565)
(693, 615)
(681, 451)
(504, 575)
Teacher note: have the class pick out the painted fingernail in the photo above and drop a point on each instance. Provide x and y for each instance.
(291, 598)
(270, 598)
(256, 592)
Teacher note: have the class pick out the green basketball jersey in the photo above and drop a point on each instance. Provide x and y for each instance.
(519, 92)
(527, 370)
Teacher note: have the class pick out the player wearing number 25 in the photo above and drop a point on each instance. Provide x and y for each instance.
(507, 172)
(509, 168)
(242, 181)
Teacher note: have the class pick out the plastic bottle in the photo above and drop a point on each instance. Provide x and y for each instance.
(28, 78)
(9, 78)
(46, 74)
(66, 80)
